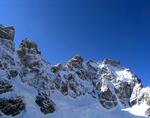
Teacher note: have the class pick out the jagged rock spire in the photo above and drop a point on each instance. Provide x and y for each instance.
(111, 62)
(7, 38)
(27, 44)
(7, 32)
(76, 61)
(28, 53)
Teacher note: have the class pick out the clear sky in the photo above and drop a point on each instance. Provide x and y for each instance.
(95, 29)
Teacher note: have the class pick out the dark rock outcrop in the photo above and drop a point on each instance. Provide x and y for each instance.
(7, 32)
(46, 105)
(5, 86)
(12, 106)
(75, 62)
(107, 99)
(147, 113)
(111, 62)
(28, 51)
(124, 91)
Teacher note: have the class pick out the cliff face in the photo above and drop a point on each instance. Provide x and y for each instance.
(30, 86)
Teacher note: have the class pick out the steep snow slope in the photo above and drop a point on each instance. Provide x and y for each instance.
(31, 87)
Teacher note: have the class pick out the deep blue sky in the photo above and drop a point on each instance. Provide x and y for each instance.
(95, 29)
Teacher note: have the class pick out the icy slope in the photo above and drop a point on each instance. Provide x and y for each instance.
(31, 87)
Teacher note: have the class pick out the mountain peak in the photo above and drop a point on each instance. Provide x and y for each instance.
(27, 44)
(78, 58)
(111, 62)
(30, 86)
(7, 32)
(76, 61)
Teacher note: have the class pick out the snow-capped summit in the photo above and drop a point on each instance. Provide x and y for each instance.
(31, 87)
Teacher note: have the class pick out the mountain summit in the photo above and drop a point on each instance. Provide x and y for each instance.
(31, 87)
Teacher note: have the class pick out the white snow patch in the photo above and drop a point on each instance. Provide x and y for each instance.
(138, 110)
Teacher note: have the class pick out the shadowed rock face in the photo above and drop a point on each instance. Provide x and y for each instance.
(147, 113)
(12, 106)
(124, 91)
(27, 51)
(6, 38)
(107, 99)
(111, 62)
(7, 32)
(46, 105)
(57, 68)
(105, 73)
(31, 46)
(5, 86)
(75, 62)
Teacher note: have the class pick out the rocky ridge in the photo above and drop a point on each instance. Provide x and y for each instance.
(106, 81)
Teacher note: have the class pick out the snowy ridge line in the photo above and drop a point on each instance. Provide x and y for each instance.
(78, 88)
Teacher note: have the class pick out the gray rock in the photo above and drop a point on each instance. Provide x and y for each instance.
(57, 82)
(147, 113)
(105, 73)
(107, 99)
(57, 68)
(5, 86)
(7, 32)
(124, 91)
(13, 73)
(111, 62)
(75, 62)
(64, 88)
(12, 106)
(46, 105)
(31, 46)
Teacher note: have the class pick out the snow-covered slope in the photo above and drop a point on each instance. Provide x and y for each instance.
(31, 87)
